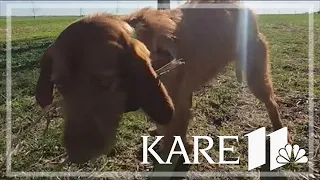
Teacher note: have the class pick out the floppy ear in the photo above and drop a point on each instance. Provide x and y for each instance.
(44, 87)
(144, 87)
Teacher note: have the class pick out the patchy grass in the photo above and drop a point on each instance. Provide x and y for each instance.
(221, 107)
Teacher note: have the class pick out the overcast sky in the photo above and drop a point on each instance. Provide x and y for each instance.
(121, 7)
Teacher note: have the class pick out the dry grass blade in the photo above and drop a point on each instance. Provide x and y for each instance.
(170, 66)
(38, 120)
(18, 140)
(44, 112)
(47, 126)
(316, 152)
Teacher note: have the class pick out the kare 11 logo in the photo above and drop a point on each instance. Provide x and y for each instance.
(281, 153)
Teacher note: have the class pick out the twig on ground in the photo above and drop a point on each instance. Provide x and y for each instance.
(53, 160)
(24, 133)
(47, 126)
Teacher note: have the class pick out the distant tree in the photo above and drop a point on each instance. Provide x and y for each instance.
(34, 9)
(318, 12)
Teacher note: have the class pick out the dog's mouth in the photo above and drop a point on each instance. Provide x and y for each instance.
(90, 131)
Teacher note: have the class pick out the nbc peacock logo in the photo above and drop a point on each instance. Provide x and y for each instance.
(291, 154)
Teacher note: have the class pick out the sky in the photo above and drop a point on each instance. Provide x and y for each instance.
(71, 8)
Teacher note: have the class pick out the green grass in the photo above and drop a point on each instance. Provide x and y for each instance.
(221, 107)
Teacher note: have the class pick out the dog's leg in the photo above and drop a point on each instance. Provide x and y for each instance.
(263, 91)
(259, 80)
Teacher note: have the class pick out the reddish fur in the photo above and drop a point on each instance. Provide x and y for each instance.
(101, 73)
(206, 39)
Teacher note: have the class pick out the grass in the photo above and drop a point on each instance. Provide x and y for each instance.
(221, 107)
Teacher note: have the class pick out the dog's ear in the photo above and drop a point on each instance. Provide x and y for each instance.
(44, 87)
(144, 87)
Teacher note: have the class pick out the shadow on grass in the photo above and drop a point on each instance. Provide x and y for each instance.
(25, 54)
(27, 66)
(22, 46)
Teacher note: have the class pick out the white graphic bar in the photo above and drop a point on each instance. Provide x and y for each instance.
(256, 148)
(278, 140)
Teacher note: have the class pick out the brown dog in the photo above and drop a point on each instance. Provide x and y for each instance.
(101, 72)
(207, 40)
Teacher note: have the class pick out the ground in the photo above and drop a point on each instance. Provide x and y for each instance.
(221, 107)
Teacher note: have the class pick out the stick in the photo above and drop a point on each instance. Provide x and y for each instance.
(37, 121)
(170, 66)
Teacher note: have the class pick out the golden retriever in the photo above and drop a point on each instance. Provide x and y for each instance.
(101, 72)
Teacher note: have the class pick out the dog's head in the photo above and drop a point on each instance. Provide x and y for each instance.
(101, 73)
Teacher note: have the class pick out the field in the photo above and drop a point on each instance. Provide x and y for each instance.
(221, 107)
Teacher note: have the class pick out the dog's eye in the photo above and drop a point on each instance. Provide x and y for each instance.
(106, 80)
